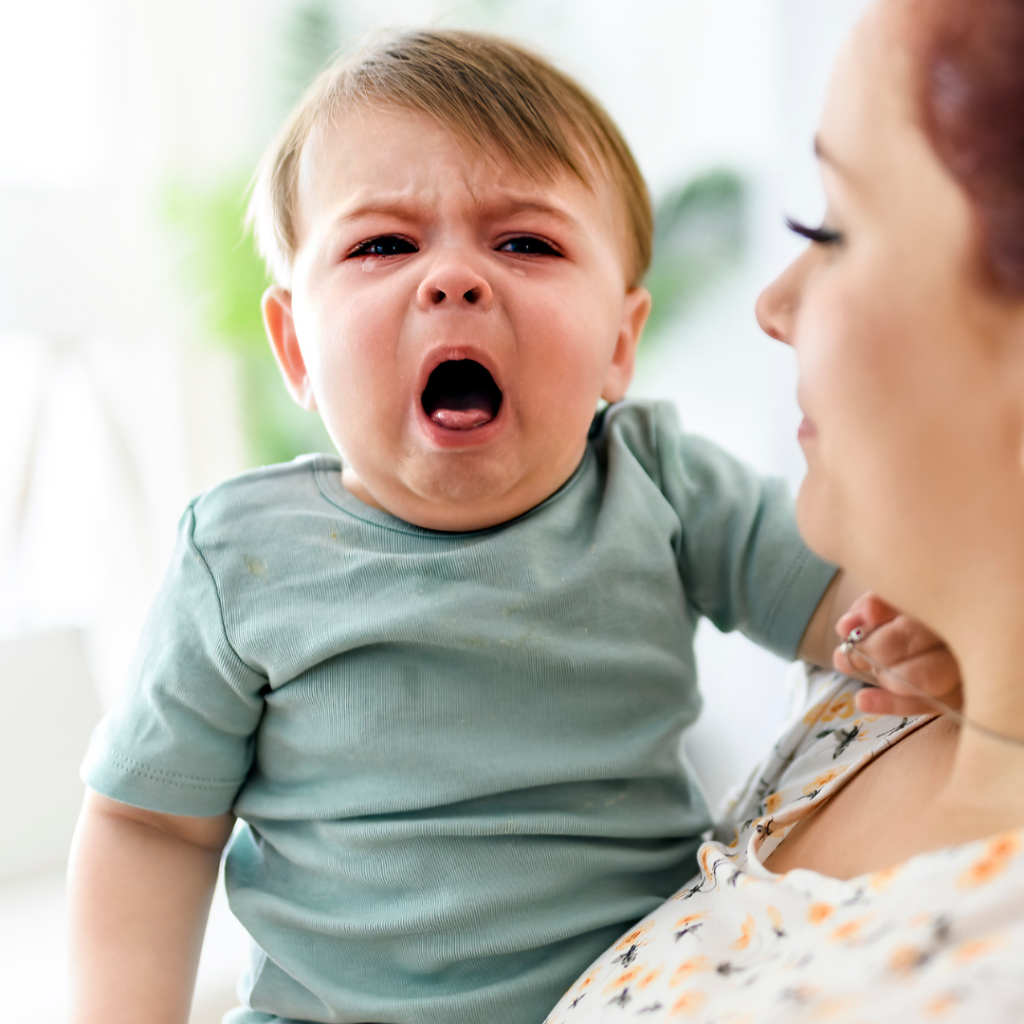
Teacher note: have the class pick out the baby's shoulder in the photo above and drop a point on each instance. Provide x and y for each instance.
(261, 498)
(641, 430)
(639, 424)
(651, 433)
(268, 523)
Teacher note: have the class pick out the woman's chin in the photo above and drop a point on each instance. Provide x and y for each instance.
(817, 521)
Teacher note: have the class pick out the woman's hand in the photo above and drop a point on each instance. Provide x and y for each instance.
(906, 646)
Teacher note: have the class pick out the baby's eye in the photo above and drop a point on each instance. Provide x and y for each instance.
(385, 245)
(528, 245)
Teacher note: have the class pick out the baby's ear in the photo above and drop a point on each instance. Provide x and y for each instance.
(277, 319)
(635, 310)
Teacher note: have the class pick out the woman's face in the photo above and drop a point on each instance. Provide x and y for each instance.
(909, 363)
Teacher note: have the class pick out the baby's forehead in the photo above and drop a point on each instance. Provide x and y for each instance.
(352, 133)
(371, 152)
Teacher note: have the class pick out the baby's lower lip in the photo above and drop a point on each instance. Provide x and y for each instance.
(470, 434)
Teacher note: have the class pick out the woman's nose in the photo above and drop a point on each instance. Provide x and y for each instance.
(454, 283)
(777, 305)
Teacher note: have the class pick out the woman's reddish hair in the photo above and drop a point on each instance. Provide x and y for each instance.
(973, 111)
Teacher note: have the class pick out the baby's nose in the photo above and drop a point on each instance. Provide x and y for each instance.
(436, 296)
(454, 285)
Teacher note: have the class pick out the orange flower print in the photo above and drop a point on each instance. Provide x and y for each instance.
(623, 979)
(818, 912)
(812, 789)
(589, 978)
(814, 713)
(941, 1005)
(850, 930)
(647, 979)
(775, 916)
(694, 965)
(842, 707)
(688, 1003)
(773, 803)
(834, 1006)
(904, 959)
(690, 918)
(747, 930)
(881, 880)
(975, 949)
(635, 935)
(993, 862)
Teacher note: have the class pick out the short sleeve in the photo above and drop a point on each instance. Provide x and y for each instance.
(181, 741)
(741, 557)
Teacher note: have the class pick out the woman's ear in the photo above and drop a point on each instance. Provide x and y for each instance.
(636, 309)
(277, 319)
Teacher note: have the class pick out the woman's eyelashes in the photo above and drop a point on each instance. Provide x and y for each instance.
(820, 236)
(528, 245)
(384, 245)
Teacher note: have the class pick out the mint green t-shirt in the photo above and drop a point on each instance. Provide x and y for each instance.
(455, 755)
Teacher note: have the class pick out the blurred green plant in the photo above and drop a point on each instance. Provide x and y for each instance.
(699, 238)
(312, 36)
(225, 277)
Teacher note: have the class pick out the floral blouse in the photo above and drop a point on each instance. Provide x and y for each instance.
(938, 938)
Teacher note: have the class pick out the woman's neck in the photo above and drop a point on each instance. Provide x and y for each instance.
(986, 784)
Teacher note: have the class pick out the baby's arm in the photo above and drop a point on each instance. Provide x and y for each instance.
(140, 889)
(819, 639)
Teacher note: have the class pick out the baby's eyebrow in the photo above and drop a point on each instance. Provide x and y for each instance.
(511, 206)
(401, 207)
(407, 208)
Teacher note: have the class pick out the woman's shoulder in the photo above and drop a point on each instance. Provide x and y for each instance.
(824, 738)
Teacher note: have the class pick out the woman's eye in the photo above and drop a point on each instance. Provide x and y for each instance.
(385, 245)
(528, 245)
(820, 236)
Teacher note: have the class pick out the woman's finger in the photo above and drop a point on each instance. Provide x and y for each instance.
(869, 612)
(899, 641)
(874, 701)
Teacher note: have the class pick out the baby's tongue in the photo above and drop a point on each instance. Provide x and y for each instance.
(464, 412)
(461, 419)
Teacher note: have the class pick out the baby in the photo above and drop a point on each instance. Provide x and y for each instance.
(442, 687)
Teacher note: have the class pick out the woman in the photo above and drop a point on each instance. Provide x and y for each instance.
(877, 868)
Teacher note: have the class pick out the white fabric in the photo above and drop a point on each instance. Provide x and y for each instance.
(939, 938)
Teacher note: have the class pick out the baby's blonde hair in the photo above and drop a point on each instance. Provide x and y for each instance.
(490, 93)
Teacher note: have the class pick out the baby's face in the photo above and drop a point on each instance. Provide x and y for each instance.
(454, 322)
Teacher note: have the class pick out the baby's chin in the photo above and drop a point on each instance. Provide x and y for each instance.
(458, 492)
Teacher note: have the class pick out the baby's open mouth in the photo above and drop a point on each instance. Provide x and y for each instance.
(461, 395)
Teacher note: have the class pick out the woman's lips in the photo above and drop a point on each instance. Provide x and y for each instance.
(806, 430)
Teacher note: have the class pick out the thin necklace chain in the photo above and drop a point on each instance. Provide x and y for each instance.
(849, 646)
